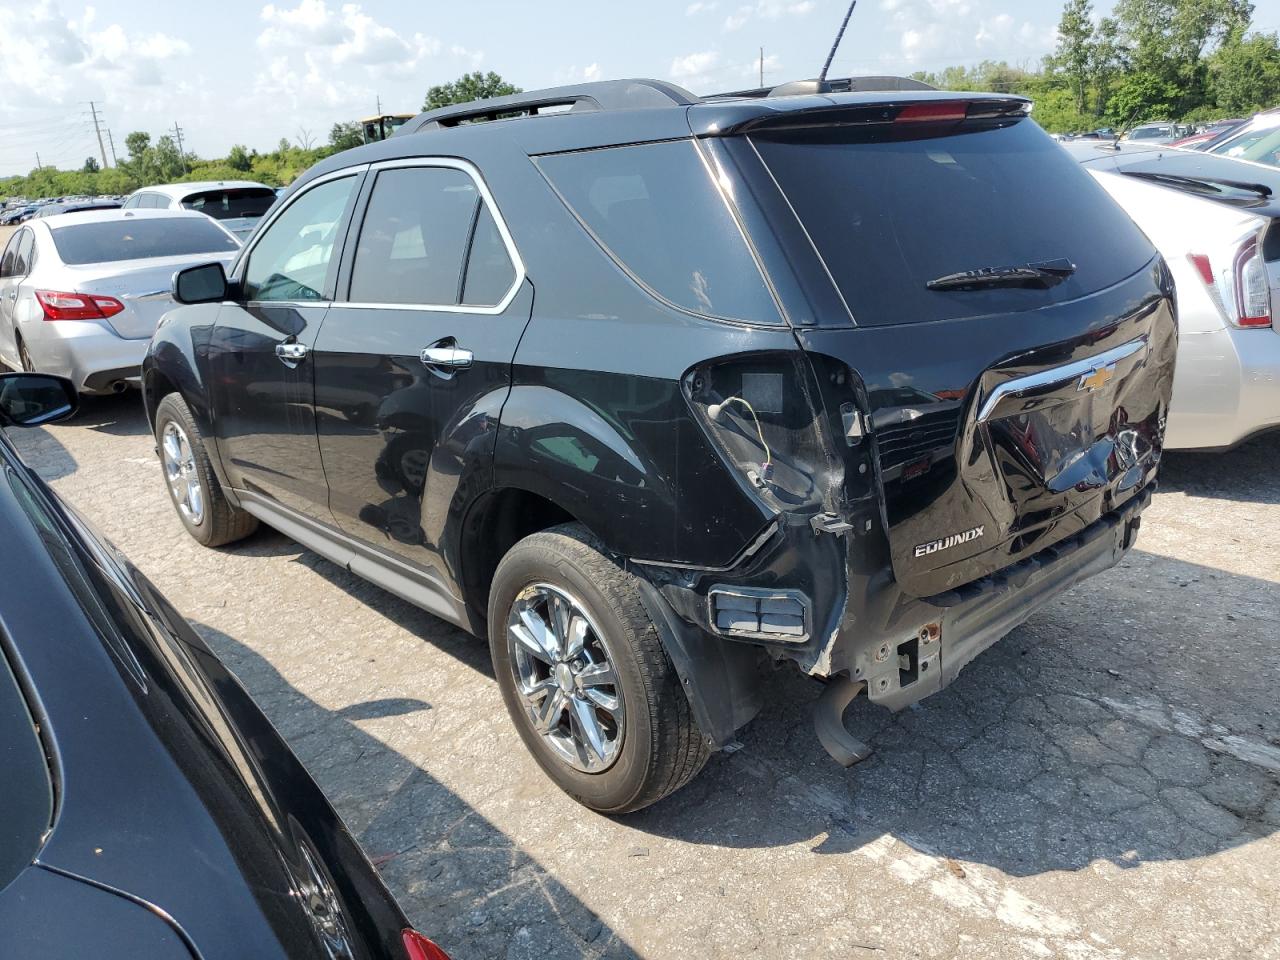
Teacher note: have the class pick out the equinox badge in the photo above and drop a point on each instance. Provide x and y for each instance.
(946, 543)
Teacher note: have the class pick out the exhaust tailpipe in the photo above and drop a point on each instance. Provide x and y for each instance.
(119, 386)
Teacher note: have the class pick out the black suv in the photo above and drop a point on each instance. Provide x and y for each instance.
(651, 390)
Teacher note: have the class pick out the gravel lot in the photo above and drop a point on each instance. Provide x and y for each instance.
(1105, 782)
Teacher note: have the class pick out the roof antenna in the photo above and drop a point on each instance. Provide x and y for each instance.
(822, 77)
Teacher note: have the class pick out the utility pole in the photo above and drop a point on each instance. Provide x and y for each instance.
(111, 140)
(38, 167)
(93, 109)
(378, 99)
(177, 132)
(762, 67)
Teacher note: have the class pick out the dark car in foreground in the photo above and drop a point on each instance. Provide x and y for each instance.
(149, 809)
(650, 389)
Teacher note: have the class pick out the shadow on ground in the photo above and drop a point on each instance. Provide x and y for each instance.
(458, 877)
(1245, 473)
(120, 415)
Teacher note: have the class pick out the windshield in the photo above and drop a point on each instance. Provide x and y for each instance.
(233, 203)
(890, 215)
(1259, 144)
(137, 239)
(1150, 133)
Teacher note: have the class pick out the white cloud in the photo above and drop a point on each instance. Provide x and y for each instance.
(700, 7)
(591, 73)
(767, 10)
(694, 65)
(346, 35)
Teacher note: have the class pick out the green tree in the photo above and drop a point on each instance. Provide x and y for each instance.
(1074, 56)
(90, 165)
(468, 87)
(238, 158)
(1244, 73)
(168, 161)
(344, 136)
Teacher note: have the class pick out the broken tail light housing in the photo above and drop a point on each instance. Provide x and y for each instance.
(58, 305)
(418, 947)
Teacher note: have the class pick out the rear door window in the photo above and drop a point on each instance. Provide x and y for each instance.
(888, 214)
(657, 211)
(23, 259)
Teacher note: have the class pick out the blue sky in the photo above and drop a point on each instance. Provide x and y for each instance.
(239, 71)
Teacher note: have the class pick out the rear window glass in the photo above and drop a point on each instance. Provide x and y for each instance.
(231, 204)
(888, 216)
(655, 208)
(136, 239)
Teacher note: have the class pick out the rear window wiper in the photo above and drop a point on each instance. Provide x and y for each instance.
(1041, 276)
(1206, 184)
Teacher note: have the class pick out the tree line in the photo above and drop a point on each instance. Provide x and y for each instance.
(148, 162)
(1182, 60)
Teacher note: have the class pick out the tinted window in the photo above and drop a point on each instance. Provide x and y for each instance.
(10, 255)
(231, 204)
(23, 258)
(291, 258)
(490, 272)
(889, 215)
(414, 237)
(137, 238)
(1258, 145)
(658, 212)
(133, 202)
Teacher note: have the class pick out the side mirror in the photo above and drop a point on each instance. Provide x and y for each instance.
(206, 283)
(32, 399)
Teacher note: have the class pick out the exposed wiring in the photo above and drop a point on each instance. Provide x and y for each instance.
(714, 412)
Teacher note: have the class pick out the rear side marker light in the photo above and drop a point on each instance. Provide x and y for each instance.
(418, 947)
(759, 614)
(77, 306)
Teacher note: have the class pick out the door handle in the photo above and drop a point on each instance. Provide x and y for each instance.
(291, 351)
(453, 357)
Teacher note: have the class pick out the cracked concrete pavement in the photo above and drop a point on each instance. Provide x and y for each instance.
(1104, 782)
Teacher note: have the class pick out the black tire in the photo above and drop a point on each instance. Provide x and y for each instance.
(220, 522)
(661, 748)
(24, 358)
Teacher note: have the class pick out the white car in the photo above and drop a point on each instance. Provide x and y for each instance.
(81, 293)
(1216, 221)
(237, 204)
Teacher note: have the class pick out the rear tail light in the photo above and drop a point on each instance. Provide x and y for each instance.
(1242, 290)
(418, 947)
(932, 112)
(77, 306)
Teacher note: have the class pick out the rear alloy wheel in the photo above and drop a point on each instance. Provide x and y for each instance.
(193, 486)
(585, 677)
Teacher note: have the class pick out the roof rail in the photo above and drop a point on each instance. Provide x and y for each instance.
(579, 98)
(842, 85)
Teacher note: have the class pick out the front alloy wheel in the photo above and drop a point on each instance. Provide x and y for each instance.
(566, 678)
(181, 474)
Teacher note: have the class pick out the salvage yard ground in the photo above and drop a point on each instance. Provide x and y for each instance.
(1105, 782)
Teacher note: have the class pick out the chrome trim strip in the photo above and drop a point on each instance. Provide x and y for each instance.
(1059, 375)
(474, 173)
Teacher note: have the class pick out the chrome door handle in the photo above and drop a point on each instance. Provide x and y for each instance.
(291, 351)
(455, 358)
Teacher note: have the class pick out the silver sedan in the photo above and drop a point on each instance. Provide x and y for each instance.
(81, 293)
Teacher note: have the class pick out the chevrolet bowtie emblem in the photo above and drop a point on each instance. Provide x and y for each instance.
(1097, 378)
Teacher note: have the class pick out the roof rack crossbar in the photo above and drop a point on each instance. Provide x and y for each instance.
(582, 97)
